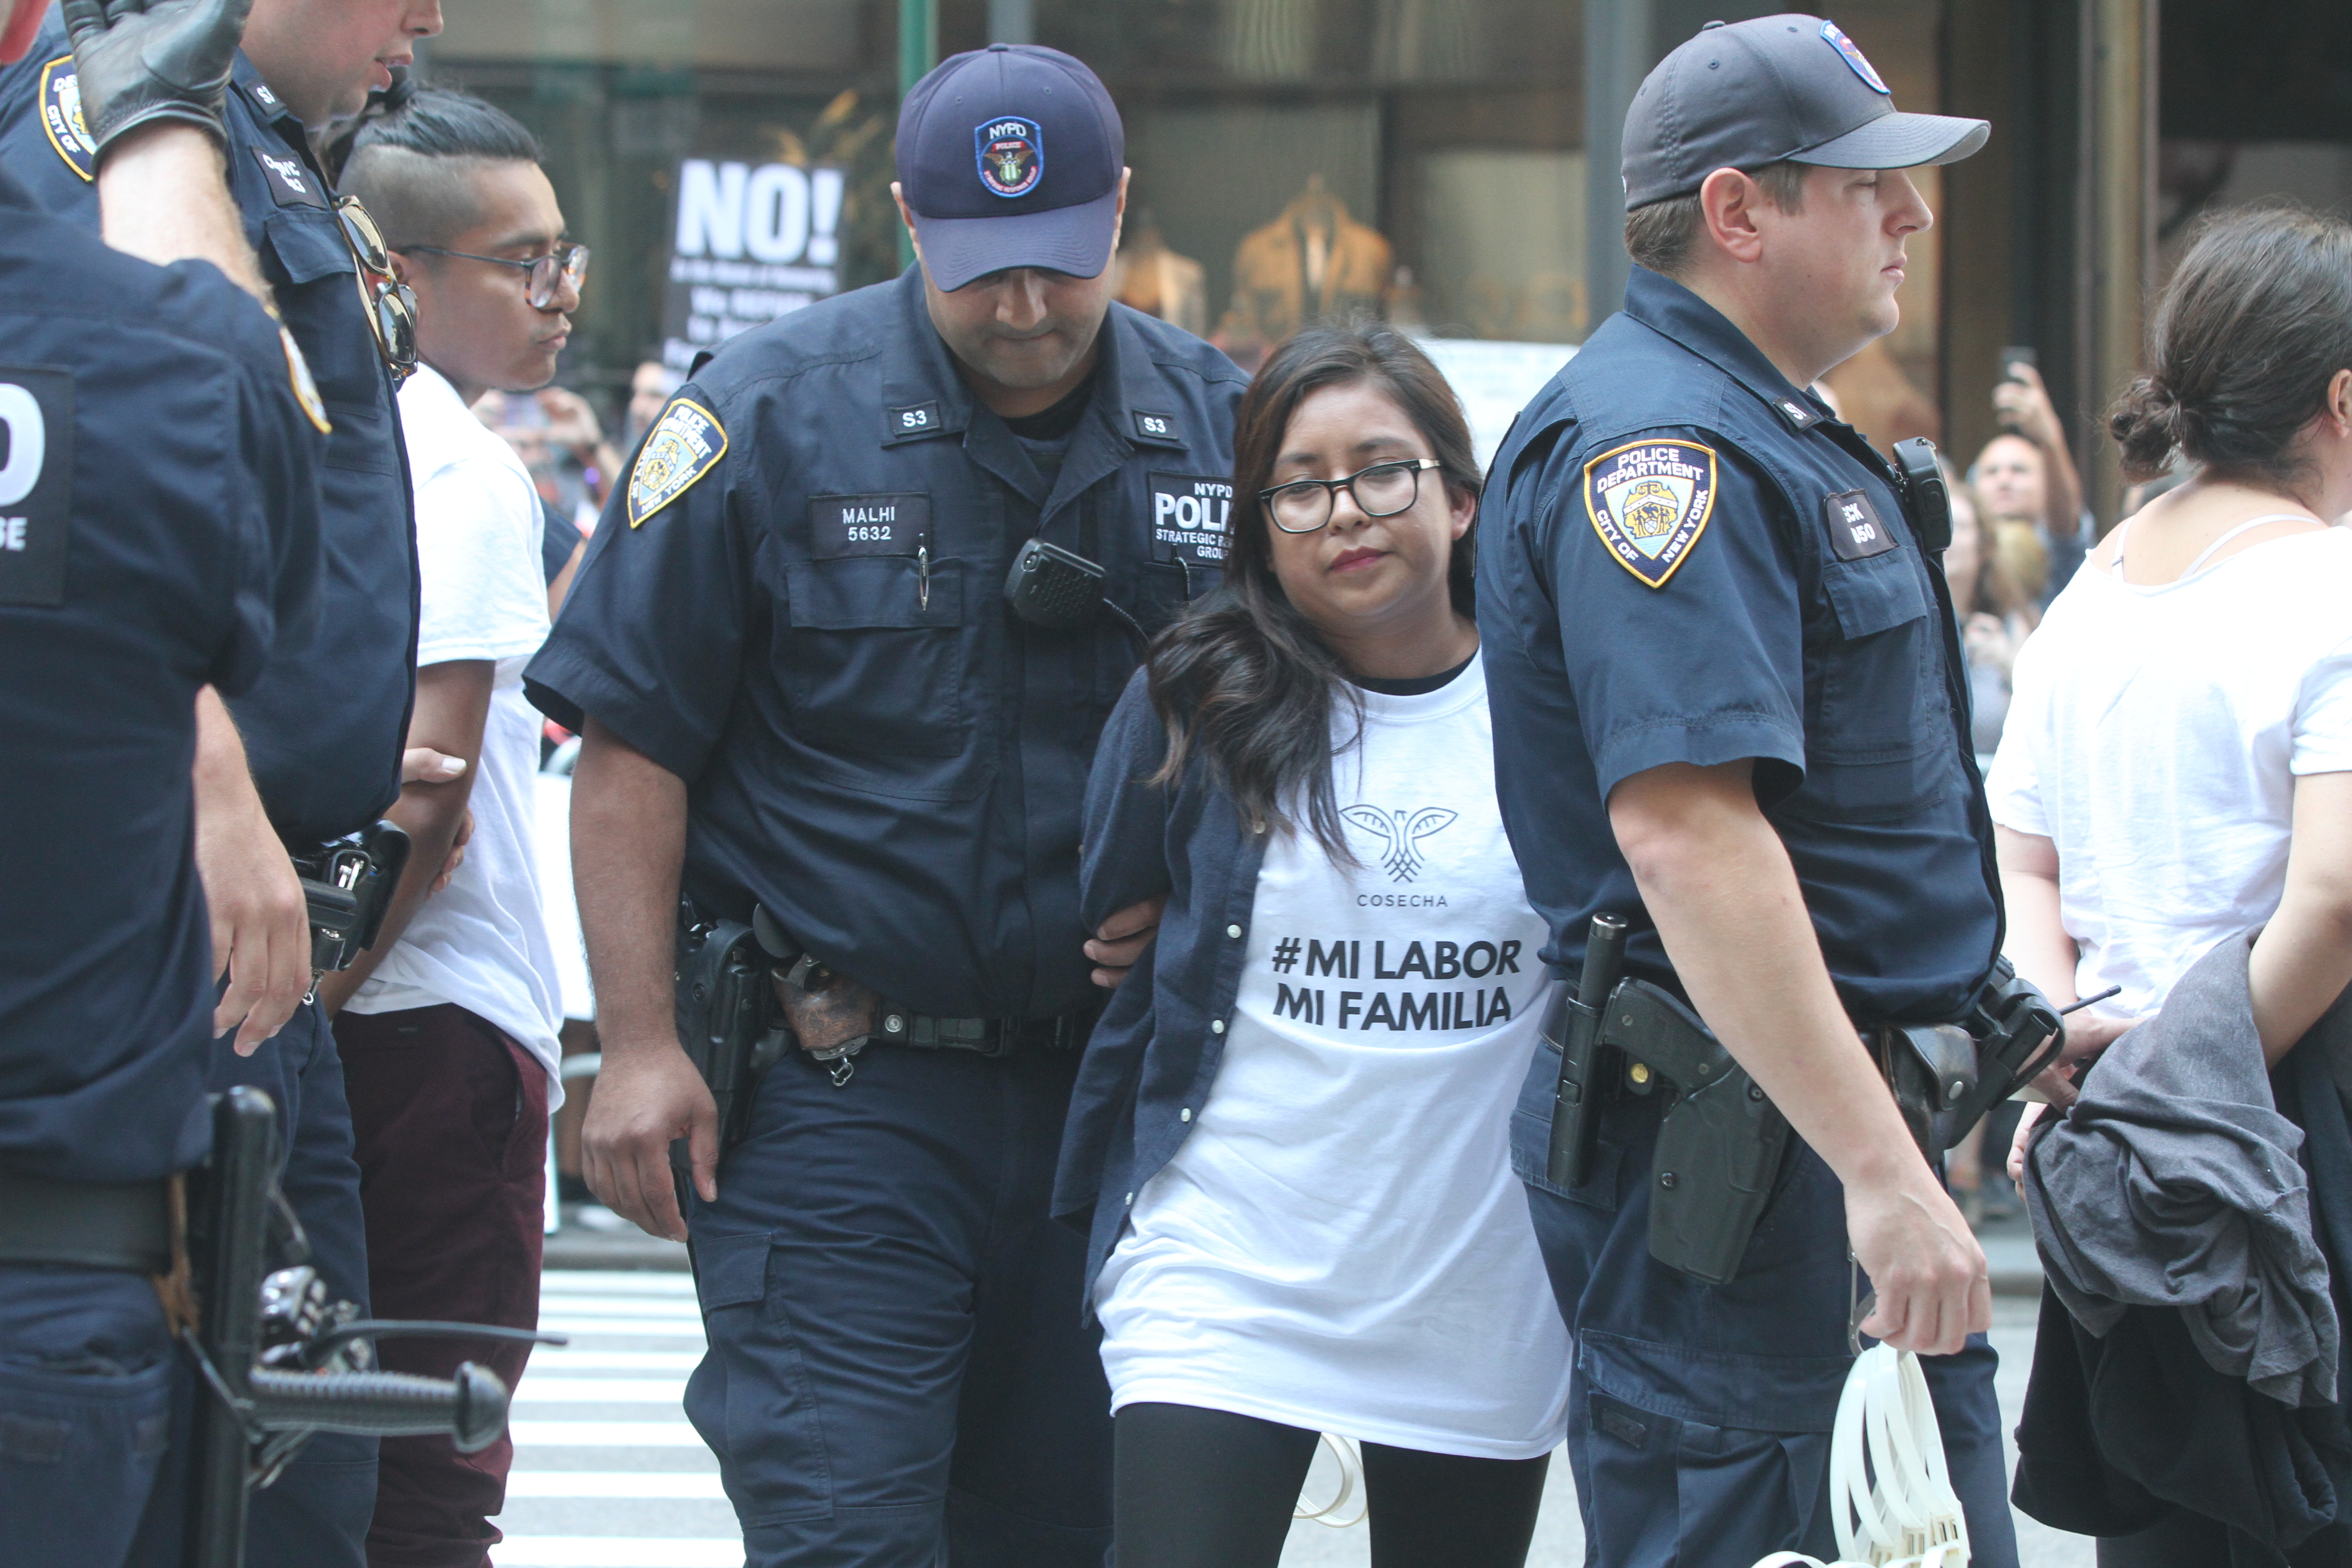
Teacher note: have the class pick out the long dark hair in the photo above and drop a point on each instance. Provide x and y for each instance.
(2254, 324)
(1242, 675)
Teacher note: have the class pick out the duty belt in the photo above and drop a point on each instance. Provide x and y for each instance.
(94, 1225)
(983, 1037)
(1719, 1138)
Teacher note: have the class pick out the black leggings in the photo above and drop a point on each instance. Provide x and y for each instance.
(2184, 1541)
(1207, 1489)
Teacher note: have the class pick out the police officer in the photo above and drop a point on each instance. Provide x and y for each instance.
(811, 675)
(1726, 684)
(158, 498)
(319, 735)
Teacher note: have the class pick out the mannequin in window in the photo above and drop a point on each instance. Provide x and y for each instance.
(1156, 280)
(1313, 263)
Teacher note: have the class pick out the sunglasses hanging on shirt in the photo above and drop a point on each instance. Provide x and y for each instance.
(390, 306)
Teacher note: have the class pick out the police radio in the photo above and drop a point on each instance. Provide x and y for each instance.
(1931, 498)
(1052, 587)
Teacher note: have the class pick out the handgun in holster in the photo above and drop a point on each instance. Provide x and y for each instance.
(278, 1360)
(1720, 1139)
(1945, 1077)
(349, 885)
(729, 1022)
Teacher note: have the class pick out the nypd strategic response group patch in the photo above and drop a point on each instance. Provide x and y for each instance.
(1650, 502)
(61, 116)
(1012, 153)
(683, 445)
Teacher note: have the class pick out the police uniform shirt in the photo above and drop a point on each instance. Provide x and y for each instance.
(796, 606)
(324, 727)
(1685, 559)
(158, 510)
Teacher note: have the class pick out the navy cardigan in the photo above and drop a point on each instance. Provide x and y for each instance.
(1147, 1068)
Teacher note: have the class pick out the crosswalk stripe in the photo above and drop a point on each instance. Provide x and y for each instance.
(529, 1433)
(614, 1282)
(625, 1328)
(609, 1403)
(563, 1358)
(614, 1484)
(538, 1388)
(618, 1552)
(684, 1309)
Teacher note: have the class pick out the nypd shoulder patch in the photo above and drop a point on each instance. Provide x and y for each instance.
(1853, 58)
(305, 390)
(61, 116)
(1649, 502)
(685, 444)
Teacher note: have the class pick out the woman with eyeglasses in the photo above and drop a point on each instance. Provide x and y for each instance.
(1291, 1122)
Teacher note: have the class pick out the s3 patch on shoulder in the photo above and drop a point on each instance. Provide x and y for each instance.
(685, 444)
(1649, 501)
(305, 390)
(61, 116)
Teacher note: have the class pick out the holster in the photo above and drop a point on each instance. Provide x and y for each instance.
(1945, 1077)
(348, 885)
(728, 1022)
(1720, 1141)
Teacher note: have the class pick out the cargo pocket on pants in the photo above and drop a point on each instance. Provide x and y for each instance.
(751, 1398)
(1726, 1454)
(79, 1447)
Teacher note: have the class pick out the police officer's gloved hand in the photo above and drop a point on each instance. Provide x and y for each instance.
(138, 63)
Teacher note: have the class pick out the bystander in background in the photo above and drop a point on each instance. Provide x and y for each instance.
(649, 392)
(448, 1024)
(2029, 497)
(1995, 612)
(2175, 780)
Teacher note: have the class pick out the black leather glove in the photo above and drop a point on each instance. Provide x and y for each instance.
(138, 62)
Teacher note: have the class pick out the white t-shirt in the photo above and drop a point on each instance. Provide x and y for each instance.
(2155, 736)
(1341, 1244)
(482, 942)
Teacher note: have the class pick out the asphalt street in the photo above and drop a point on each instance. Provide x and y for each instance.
(608, 1474)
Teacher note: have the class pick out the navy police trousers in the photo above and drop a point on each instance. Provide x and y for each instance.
(896, 1375)
(316, 1514)
(1699, 1416)
(96, 1406)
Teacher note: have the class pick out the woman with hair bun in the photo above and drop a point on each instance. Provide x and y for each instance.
(2177, 768)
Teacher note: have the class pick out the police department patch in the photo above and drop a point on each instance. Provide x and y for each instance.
(61, 116)
(1012, 153)
(683, 445)
(306, 391)
(1853, 57)
(1650, 502)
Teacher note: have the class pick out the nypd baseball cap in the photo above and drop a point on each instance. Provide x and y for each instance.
(1010, 157)
(1756, 92)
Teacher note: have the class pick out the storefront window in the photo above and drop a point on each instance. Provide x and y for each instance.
(1418, 159)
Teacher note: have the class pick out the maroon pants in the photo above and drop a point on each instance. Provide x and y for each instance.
(449, 1118)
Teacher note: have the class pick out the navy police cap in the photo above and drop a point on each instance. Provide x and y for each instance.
(1756, 92)
(1010, 157)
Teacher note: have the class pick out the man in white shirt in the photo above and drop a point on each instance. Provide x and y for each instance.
(447, 1026)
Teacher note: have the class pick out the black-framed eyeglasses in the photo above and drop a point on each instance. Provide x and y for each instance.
(1383, 489)
(543, 273)
(389, 305)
